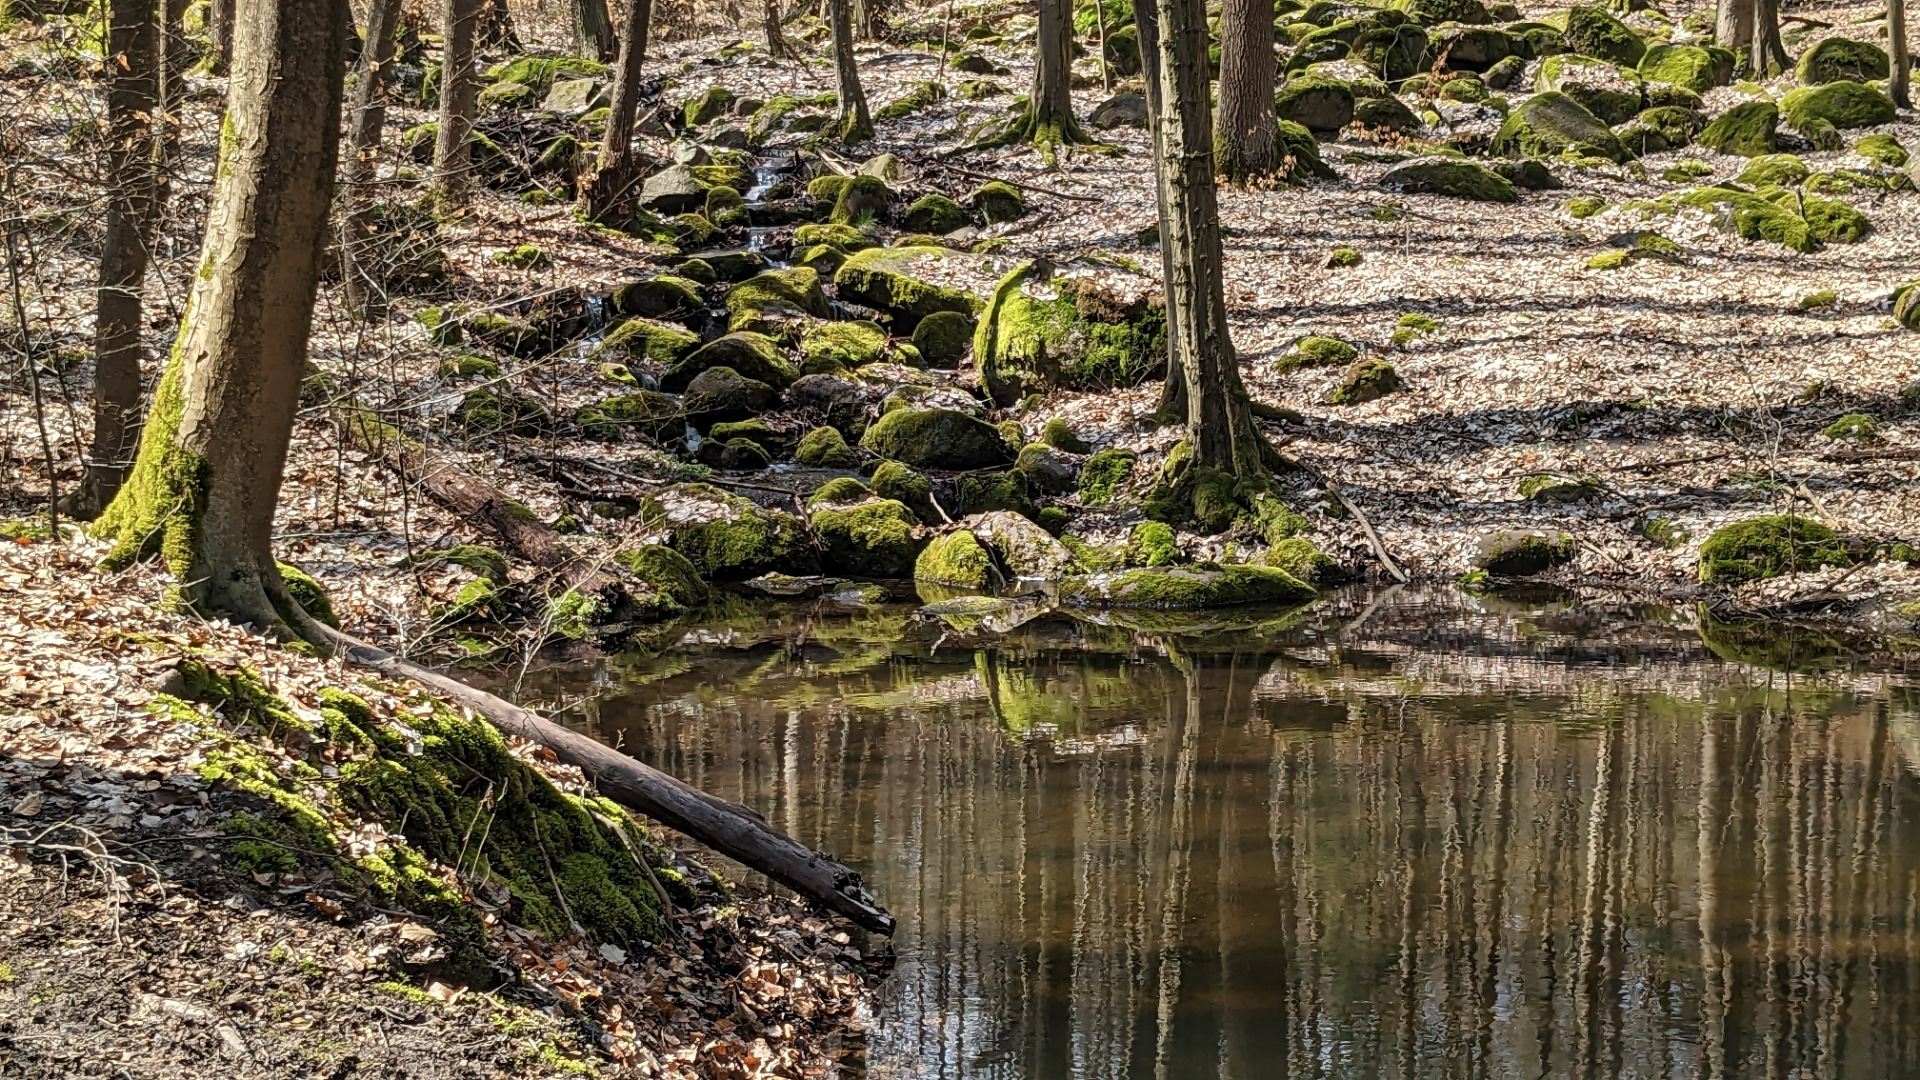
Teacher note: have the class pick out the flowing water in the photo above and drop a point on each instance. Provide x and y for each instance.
(1402, 836)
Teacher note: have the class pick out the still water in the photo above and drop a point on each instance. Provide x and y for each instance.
(1403, 836)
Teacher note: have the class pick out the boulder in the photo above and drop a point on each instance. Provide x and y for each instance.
(943, 338)
(1592, 31)
(1749, 129)
(1843, 104)
(1366, 380)
(1551, 124)
(1751, 217)
(1385, 114)
(673, 190)
(753, 355)
(1682, 65)
(937, 439)
(1185, 588)
(1454, 177)
(508, 95)
(1521, 552)
(841, 401)
(1838, 59)
(1772, 545)
(882, 278)
(572, 97)
(1026, 551)
(1470, 48)
(1120, 110)
(1047, 470)
(957, 559)
(1435, 12)
(838, 346)
(872, 539)
(1300, 144)
(637, 338)
(1600, 87)
(825, 448)
(733, 264)
(666, 572)
(1315, 103)
(1504, 74)
(859, 200)
(719, 394)
(997, 201)
(1393, 53)
(1783, 170)
(935, 214)
(1529, 174)
(710, 104)
(726, 537)
(540, 72)
(764, 300)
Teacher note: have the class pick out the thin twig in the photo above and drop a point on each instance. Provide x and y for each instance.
(1023, 185)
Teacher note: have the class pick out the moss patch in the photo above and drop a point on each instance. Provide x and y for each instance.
(1766, 547)
(1104, 474)
(1186, 588)
(869, 539)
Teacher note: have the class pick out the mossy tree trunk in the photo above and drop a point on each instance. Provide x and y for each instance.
(133, 58)
(1902, 60)
(208, 474)
(1733, 27)
(593, 29)
(1769, 55)
(609, 193)
(368, 112)
(853, 123)
(220, 36)
(1048, 122)
(1246, 137)
(1173, 391)
(1224, 460)
(459, 95)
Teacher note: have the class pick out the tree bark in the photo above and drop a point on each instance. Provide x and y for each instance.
(496, 29)
(1246, 138)
(1897, 52)
(176, 60)
(459, 95)
(1769, 55)
(866, 19)
(1225, 460)
(1733, 26)
(593, 29)
(776, 42)
(609, 192)
(1173, 390)
(853, 124)
(1048, 122)
(220, 35)
(133, 57)
(208, 474)
(369, 119)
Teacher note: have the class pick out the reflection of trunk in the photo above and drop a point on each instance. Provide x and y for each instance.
(369, 117)
(1716, 801)
(1487, 980)
(852, 123)
(133, 58)
(1599, 918)
(1173, 897)
(1416, 874)
(458, 93)
(1867, 824)
(1775, 825)
(609, 192)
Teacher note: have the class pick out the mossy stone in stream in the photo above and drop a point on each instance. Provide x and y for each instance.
(1153, 543)
(845, 237)
(892, 480)
(727, 537)
(1842, 104)
(823, 259)
(861, 199)
(637, 338)
(1298, 557)
(839, 491)
(1185, 588)
(754, 302)
(837, 346)
(943, 338)
(752, 355)
(1749, 129)
(753, 429)
(1551, 124)
(668, 573)
(1047, 470)
(868, 539)
(826, 189)
(1769, 546)
(1522, 552)
(981, 493)
(957, 559)
(882, 278)
(935, 214)
(825, 448)
(1104, 474)
(652, 414)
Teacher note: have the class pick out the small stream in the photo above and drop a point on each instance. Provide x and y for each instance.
(1403, 835)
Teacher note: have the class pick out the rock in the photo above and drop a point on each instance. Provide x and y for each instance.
(1772, 545)
(1591, 31)
(1748, 130)
(668, 573)
(1784, 170)
(1365, 381)
(720, 393)
(1060, 435)
(1842, 104)
(638, 338)
(824, 448)
(1682, 65)
(1047, 470)
(997, 201)
(711, 104)
(1315, 351)
(1471, 48)
(1669, 126)
(1104, 474)
(1315, 103)
(943, 338)
(752, 355)
(975, 64)
(1504, 74)
(1906, 312)
(1300, 144)
(572, 97)
(841, 490)
(1120, 110)
(687, 152)
(1544, 487)
(1837, 59)
(1385, 114)
(1551, 124)
(753, 430)
(1601, 88)
(1752, 217)
(937, 439)
(540, 72)
(860, 199)
(1529, 174)
(957, 559)
(1521, 552)
(842, 346)
(508, 95)
(765, 299)
(1393, 53)
(935, 214)
(726, 537)
(734, 264)
(1435, 12)
(884, 167)
(1454, 177)
(882, 278)
(1024, 549)
(727, 137)
(1185, 588)
(979, 493)
(869, 539)
(843, 402)
(737, 455)
(673, 190)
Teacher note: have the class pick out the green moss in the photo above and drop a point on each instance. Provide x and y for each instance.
(747, 353)
(1058, 434)
(861, 199)
(880, 278)
(523, 257)
(1054, 520)
(1607, 260)
(840, 489)
(845, 237)
(1591, 31)
(1341, 258)
(302, 589)
(647, 412)
(1843, 104)
(1663, 531)
(774, 292)
(1882, 150)
(825, 448)
(1856, 426)
(1766, 547)
(1749, 129)
(997, 201)
(957, 559)
(980, 493)
(656, 341)
(1551, 124)
(1318, 352)
(468, 367)
(826, 189)
(935, 214)
(937, 438)
(709, 104)
(943, 338)
(1585, 206)
(1545, 487)
(892, 480)
(834, 346)
(1104, 474)
(1301, 560)
(1785, 170)
(1152, 543)
(540, 72)
(1752, 217)
(738, 540)
(869, 539)
(1186, 588)
(918, 96)
(1366, 380)
(1830, 221)
(479, 559)
(483, 412)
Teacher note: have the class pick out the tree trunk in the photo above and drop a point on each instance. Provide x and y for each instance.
(220, 35)
(368, 112)
(609, 192)
(1100, 53)
(1225, 459)
(176, 60)
(853, 124)
(496, 32)
(133, 51)
(1902, 60)
(458, 99)
(1733, 26)
(1173, 390)
(203, 488)
(1246, 138)
(1048, 122)
(1769, 55)
(776, 43)
(866, 19)
(593, 29)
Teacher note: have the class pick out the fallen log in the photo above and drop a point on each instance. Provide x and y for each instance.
(733, 830)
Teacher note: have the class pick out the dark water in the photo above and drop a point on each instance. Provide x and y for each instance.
(1424, 837)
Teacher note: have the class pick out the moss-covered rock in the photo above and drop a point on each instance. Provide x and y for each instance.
(662, 297)
(839, 491)
(1316, 351)
(935, 214)
(1298, 557)
(538, 73)
(861, 199)
(1838, 59)
(768, 300)
(1769, 546)
(868, 539)
(883, 278)
(1882, 150)
(1783, 170)
(1316, 103)
(898, 482)
(1601, 88)
(1855, 427)
(937, 438)
(1522, 552)
(1047, 470)
(845, 237)
(729, 538)
(1079, 338)
(1682, 65)
(668, 573)
(484, 412)
(943, 338)
(753, 355)
(1830, 221)
(1023, 549)
(1366, 380)
(1906, 308)
(1185, 588)
(1749, 129)
(719, 394)
(825, 448)
(997, 201)
(1592, 31)
(1752, 217)
(638, 338)
(1103, 475)
(1545, 487)
(1842, 104)
(1058, 434)
(709, 104)
(1153, 543)
(838, 346)
(956, 559)
(981, 493)
(1550, 124)
(646, 412)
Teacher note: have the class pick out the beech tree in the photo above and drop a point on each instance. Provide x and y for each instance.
(133, 59)
(1733, 26)
(776, 42)
(853, 123)
(367, 119)
(203, 488)
(1902, 61)
(593, 29)
(459, 96)
(1224, 460)
(1246, 138)
(609, 192)
(1769, 55)
(1048, 121)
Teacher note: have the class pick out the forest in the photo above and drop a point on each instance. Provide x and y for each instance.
(1014, 538)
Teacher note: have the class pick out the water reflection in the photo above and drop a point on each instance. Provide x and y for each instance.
(1556, 844)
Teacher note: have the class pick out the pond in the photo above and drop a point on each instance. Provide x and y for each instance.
(1400, 835)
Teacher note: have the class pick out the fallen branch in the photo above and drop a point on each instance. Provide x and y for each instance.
(1024, 186)
(730, 829)
(1373, 538)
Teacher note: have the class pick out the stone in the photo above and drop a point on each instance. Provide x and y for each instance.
(729, 538)
(937, 439)
(1471, 48)
(1749, 129)
(1843, 104)
(884, 167)
(882, 278)
(1026, 551)
(1551, 124)
(1185, 588)
(874, 539)
(756, 303)
(1521, 552)
(638, 338)
(673, 190)
(1367, 380)
(1120, 110)
(943, 338)
(752, 355)
(1529, 174)
(507, 95)
(997, 201)
(1504, 74)
(574, 96)
(838, 346)
(825, 448)
(1385, 114)
(957, 559)
(1601, 88)
(1047, 470)
(861, 199)
(1682, 65)
(710, 104)
(935, 214)
(1771, 545)
(1837, 59)
(1591, 31)
(719, 394)
(1315, 103)
(734, 264)
(1453, 177)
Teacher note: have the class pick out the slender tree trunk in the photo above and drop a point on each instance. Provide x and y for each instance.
(176, 60)
(133, 51)
(458, 98)
(220, 35)
(609, 192)
(1226, 458)
(1769, 55)
(853, 124)
(1173, 390)
(203, 488)
(368, 119)
(593, 29)
(1246, 139)
(1902, 60)
(496, 32)
(1733, 26)
(1100, 54)
(866, 19)
(776, 43)
(1049, 122)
